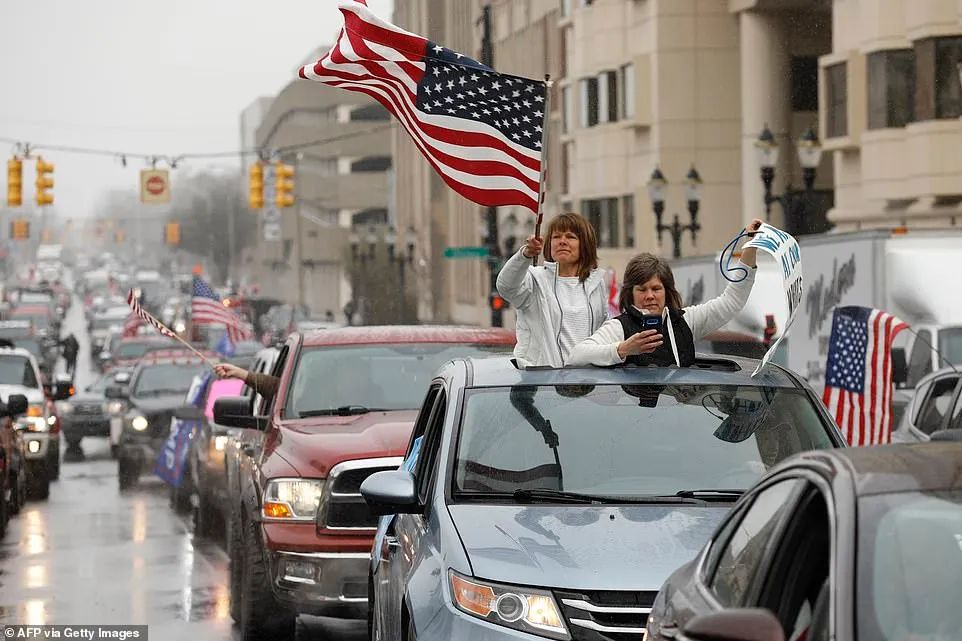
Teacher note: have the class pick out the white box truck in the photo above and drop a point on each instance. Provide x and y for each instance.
(912, 274)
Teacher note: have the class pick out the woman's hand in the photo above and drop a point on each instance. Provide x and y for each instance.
(749, 254)
(641, 343)
(226, 370)
(532, 247)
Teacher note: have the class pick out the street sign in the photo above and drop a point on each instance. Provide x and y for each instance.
(272, 231)
(154, 186)
(465, 252)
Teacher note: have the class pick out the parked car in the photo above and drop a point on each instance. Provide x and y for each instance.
(20, 374)
(935, 407)
(13, 472)
(555, 502)
(88, 412)
(157, 387)
(125, 352)
(850, 544)
(344, 408)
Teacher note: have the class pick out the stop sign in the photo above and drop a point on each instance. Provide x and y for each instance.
(156, 185)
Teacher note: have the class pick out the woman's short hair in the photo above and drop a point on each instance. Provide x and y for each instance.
(587, 241)
(639, 271)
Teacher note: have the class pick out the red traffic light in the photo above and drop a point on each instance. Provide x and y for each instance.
(497, 303)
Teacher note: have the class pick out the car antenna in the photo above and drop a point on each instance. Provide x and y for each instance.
(932, 347)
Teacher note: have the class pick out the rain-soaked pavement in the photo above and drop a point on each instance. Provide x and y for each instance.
(93, 555)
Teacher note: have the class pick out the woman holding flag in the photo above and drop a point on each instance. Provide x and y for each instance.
(560, 303)
(649, 299)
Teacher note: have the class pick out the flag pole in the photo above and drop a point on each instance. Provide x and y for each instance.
(544, 159)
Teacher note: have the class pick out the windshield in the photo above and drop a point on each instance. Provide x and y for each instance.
(911, 544)
(107, 323)
(37, 320)
(134, 349)
(167, 378)
(390, 377)
(632, 440)
(29, 344)
(16, 370)
(950, 344)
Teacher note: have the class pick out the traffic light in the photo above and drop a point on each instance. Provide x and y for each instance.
(14, 182)
(44, 182)
(770, 329)
(498, 304)
(20, 229)
(255, 198)
(172, 233)
(283, 185)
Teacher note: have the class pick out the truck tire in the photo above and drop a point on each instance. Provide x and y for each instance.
(18, 495)
(126, 473)
(235, 545)
(38, 481)
(205, 519)
(261, 616)
(5, 510)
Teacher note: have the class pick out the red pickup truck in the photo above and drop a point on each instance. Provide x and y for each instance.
(299, 532)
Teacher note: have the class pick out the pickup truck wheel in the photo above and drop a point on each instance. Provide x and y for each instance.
(18, 495)
(262, 617)
(204, 518)
(235, 545)
(126, 473)
(38, 481)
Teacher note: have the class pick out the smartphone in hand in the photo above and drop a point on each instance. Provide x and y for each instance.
(650, 321)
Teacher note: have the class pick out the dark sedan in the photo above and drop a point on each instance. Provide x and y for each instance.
(88, 413)
(856, 544)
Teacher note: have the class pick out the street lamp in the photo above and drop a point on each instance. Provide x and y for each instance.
(794, 203)
(509, 228)
(657, 186)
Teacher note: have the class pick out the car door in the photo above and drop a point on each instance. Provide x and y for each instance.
(413, 538)
(734, 557)
(252, 443)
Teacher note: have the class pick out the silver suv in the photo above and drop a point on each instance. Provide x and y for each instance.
(554, 503)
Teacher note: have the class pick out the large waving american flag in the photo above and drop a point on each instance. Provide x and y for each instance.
(858, 374)
(206, 308)
(479, 129)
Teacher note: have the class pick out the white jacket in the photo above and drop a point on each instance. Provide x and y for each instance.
(602, 347)
(532, 292)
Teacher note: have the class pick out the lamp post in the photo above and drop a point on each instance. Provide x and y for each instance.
(509, 229)
(794, 203)
(404, 259)
(657, 186)
(371, 295)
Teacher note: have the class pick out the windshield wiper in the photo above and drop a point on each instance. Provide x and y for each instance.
(555, 496)
(344, 410)
(575, 497)
(713, 494)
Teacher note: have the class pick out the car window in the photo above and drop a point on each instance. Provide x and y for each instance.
(920, 362)
(955, 422)
(718, 543)
(420, 425)
(743, 553)
(424, 471)
(17, 370)
(630, 440)
(936, 404)
(166, 379)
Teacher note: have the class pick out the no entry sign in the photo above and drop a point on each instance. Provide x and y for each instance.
(154, 186)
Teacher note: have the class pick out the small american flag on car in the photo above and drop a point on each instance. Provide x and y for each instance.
(858, 374)
(481, 130)
(143, 315)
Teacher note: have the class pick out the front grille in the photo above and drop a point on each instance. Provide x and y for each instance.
(342, 506)
(89, 409)
(159, 424)
(606, 615)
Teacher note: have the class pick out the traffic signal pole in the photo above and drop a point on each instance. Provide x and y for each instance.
(493, 242)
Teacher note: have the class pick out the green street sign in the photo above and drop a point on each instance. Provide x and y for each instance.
(465, 252)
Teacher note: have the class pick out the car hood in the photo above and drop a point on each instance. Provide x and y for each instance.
(87, 397)
(313, 446)
(149, 405)
(33, 394)
(590, 547)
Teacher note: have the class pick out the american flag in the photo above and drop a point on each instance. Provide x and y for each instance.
(858, 375)
(206, 308)
(131, 325)
(141, 313)
(479, 129)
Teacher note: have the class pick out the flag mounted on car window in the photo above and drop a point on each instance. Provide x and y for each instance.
(481, 130)
(858, 373)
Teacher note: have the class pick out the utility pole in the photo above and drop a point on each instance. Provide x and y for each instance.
(493, 243)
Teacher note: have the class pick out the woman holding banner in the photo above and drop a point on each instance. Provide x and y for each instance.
(649, 299)
(561, 303)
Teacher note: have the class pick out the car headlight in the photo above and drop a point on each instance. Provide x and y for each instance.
(65, 407)
(526, 609)
(220, 442)
(114, 407)
(139, 423)
(293, 499)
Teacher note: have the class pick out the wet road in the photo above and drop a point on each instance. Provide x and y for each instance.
(93, 555)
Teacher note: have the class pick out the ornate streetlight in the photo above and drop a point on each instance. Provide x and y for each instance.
(657, 186)
(794, 203)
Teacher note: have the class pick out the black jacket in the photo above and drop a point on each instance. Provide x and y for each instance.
(663, 356)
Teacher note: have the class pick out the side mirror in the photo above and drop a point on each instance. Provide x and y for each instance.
(115, 392)
(189, 413)
(16, 405)
(235, 411)
(946, 435)
(391, 492)
(742, 624)
(900, 368)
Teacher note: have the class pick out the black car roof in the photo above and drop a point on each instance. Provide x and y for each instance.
(886, 469)
(707, 370)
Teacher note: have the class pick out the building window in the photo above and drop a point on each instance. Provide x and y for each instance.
(589, 102)
(608, 96)
(628, 91)
(602, 213)
(804, 83)
(836, 77)
(565, 8)
(371, 163)
(628, 204)
(948, 92)
(370, 112)
(567, 108)
(891, 88)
